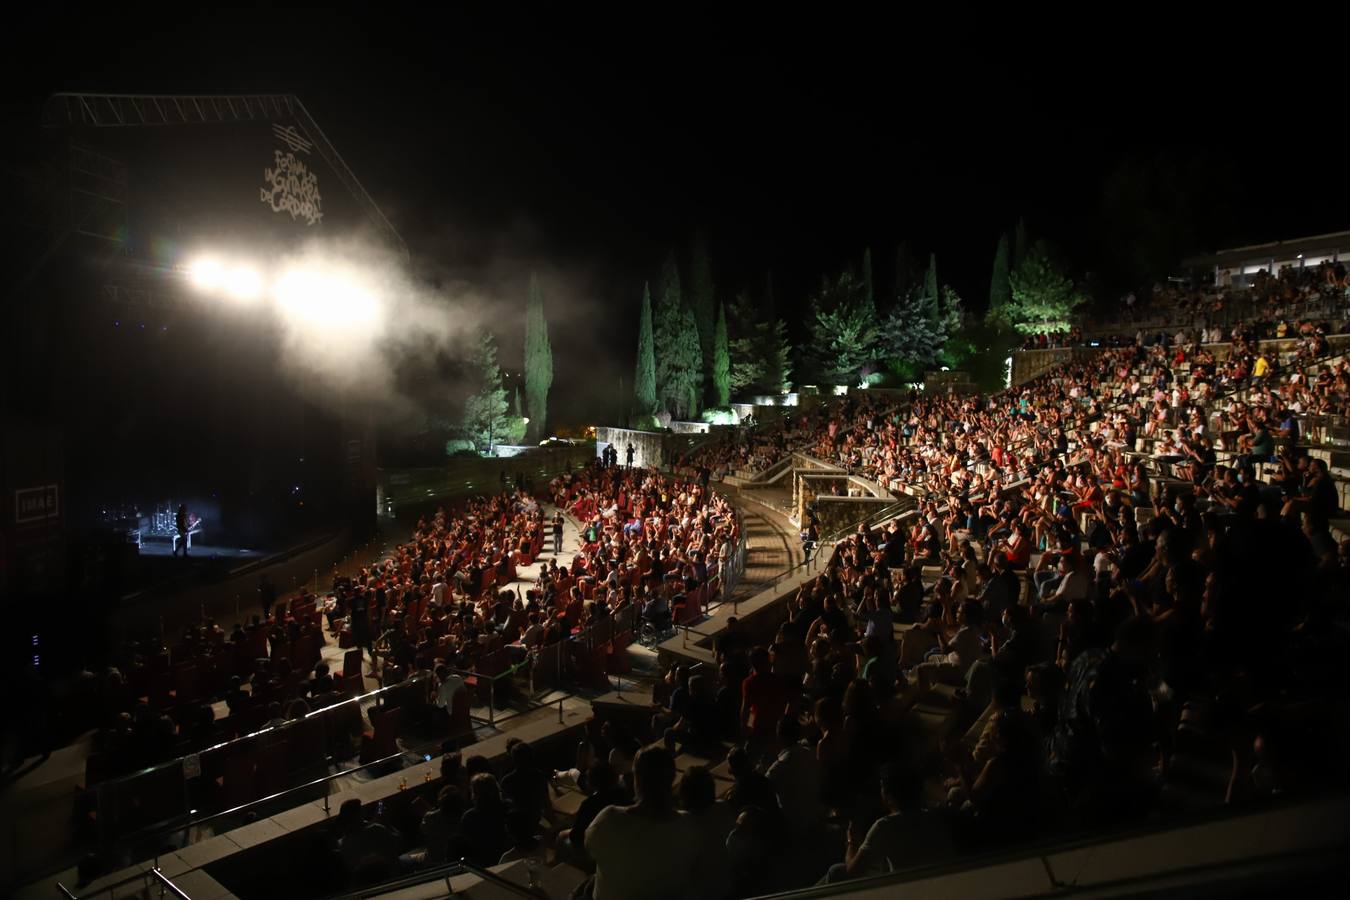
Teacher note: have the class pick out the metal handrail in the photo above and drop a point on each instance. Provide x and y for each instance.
(191, 823)
(166, 883)
(299, 787)
(445, 871)
(505, 884)
(358, 699)
(1043, 849)
(153, 872)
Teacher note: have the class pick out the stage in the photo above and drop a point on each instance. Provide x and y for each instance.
(203, 551)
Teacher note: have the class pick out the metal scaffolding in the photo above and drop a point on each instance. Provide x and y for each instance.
(136, 110)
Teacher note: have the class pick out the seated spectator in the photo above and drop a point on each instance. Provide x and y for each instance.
(368, 848)
(905, 837)
(604, 791)
(484, 823)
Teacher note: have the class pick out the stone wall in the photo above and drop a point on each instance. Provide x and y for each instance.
(648, 446)
(1027, 364)
(837, 513)
(810, 486)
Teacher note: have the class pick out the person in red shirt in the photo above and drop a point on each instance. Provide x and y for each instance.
(764, 697)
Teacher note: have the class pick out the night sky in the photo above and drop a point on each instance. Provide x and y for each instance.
(502, 141)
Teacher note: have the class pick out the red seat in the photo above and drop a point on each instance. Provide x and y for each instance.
(382, 739)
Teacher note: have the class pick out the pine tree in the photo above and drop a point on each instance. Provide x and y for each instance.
(702, 302)
(912, 334)
(745, 345)
(845, 328)
(1043, 295)
(1000, 291)
(644, 381)
(721, 369)
(485, 412)
(538, 359)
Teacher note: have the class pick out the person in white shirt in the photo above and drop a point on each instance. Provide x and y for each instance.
(649, 849)
(450, 685)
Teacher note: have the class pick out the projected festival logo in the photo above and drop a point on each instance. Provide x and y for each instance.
(289, 186)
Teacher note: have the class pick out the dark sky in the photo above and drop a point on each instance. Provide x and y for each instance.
(503, 140)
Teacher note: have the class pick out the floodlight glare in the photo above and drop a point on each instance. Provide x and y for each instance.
(206, 274)
(325, 299)
(243, 283)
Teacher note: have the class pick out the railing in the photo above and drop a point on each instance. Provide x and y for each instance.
(446, 872)
(263, 763)
(149, 878)
(1224, 854)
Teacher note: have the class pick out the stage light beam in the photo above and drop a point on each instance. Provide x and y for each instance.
(326, 300)
(243, 283)
(206, 274)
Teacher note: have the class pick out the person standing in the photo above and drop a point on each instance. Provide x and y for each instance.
(361, 632)
(181, 523)
(650, 848)
(557, 533)
(629, 454)
(267, 595)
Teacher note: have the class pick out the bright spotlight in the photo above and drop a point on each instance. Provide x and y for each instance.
(206, 274)
(325, 299)
(243, 283)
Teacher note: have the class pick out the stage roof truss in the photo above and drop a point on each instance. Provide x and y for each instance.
(138, 110)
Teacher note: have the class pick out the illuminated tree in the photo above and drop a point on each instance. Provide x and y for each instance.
(1000, 290)
(721, 368)
(644, 381)
(702, 302)
(538, 360)
(514, 430)
(845, 329)
(760, 355)
(1043, 296)
(679, 357)
(917, 329)
(485, 412)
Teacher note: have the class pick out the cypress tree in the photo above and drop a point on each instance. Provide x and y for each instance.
(930, 279)
(679, 362)
(538, 359)
(1020, 244)
(702, 303)
(721, 370)
(644, 381)
(867, 276)
(1000, 290)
